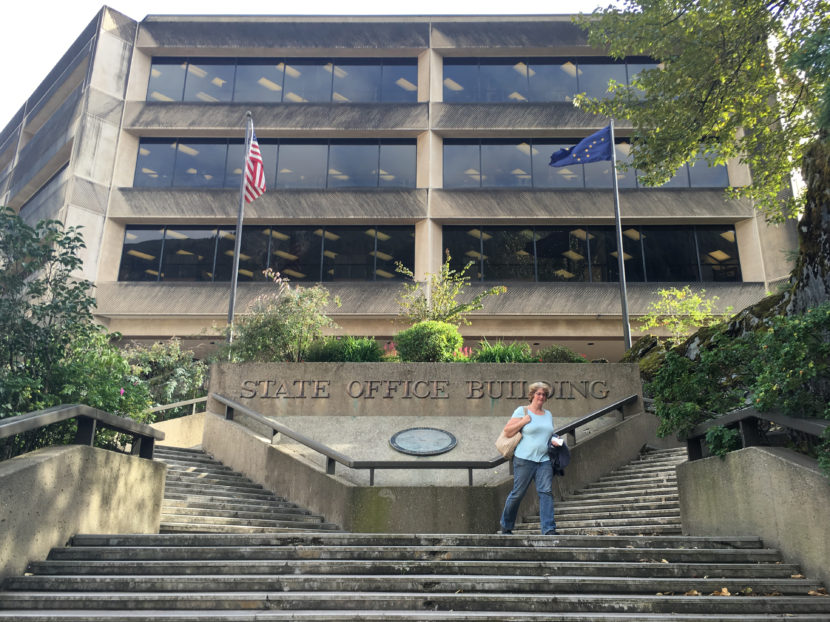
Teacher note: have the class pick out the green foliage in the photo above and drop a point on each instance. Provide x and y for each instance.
(784, 365)
(429, 341)
(722, 440)
(170, 374)
(438, 299)
(681, 312)
(559, 354)
(500, 352)
(732, 83)
(51, 352)
(95, 372)
(280, 326)
(43, 307)
(345, 350)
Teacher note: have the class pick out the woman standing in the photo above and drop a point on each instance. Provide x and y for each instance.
(530, 459)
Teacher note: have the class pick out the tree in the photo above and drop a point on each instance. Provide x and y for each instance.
(680, 311)
(170, 373)
(43, 307)
(51, 351)
(745, 79)
(280, 326)
(438, 301)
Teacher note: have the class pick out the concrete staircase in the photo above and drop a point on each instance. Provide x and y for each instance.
(203, 495)
(339, 576)
(324, 575)
(640, 498)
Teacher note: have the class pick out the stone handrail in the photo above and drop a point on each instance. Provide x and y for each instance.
(333, 456)
(745, 420)
(89, 420)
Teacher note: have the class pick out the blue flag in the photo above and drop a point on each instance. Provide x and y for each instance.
(592, 149)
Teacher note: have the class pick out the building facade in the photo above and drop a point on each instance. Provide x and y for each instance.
(386, 140)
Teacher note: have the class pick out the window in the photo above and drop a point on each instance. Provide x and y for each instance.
(259, 81)
(306, 254)
(283, 80)
(200, 164)
(289, 163)
(188, 254)
(670, 254)
(209, 80)
(503, 163)
(593, 76)
(141, 254)
(589, 254)
(353, 164)
(302, 164)
(167, 80)
(717, 249)
(552, 79)
(532, 79)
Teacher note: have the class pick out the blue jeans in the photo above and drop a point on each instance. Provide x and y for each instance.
(524, 471)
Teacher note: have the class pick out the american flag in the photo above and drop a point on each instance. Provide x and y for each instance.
(254, 171)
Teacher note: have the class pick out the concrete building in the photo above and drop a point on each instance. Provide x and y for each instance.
(385, 139)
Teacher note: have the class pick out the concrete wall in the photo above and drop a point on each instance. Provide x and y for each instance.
(773, 492)
(424, 390)
(54, 493)
(410, 508)
(182, 431)
(395, 509)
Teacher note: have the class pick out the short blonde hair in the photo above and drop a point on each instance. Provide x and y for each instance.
(536, 386)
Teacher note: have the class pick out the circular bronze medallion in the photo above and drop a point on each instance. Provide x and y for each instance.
(423, 441)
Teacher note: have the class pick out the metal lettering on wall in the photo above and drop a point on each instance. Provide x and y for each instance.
(424, 389)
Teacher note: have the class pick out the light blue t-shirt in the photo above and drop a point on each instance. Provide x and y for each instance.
(535, 436)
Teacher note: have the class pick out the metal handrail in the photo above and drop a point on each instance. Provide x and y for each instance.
(745, 419)
(194, 401)
(89, 420)
(333, 456)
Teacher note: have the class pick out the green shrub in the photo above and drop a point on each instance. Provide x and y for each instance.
(559, 354)
(501, 352)
(280, 326)
(345, 350)
(783, 366)
(428, 341)
(170, 373)
(721, 440)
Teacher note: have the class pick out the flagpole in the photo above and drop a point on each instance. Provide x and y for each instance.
(249, 127)
(620, 259)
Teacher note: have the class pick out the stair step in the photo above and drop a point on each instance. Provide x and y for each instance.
(653, 568)
(56, 585)
(262, 506)
(265, 514)
(422, 600)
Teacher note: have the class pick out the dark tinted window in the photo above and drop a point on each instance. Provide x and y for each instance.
(259, 81)
(155, 162)
(200, 164)
(581, 253)
(166, 80)
(461, 80)
(718, 251)
(209, 80)
(203, 253)
(188, 254)
(141, 254)
(670, 254)
(399, 81)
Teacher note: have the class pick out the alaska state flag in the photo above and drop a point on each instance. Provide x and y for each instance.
(592, 149)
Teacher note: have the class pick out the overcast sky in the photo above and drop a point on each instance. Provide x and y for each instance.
(34, 35)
